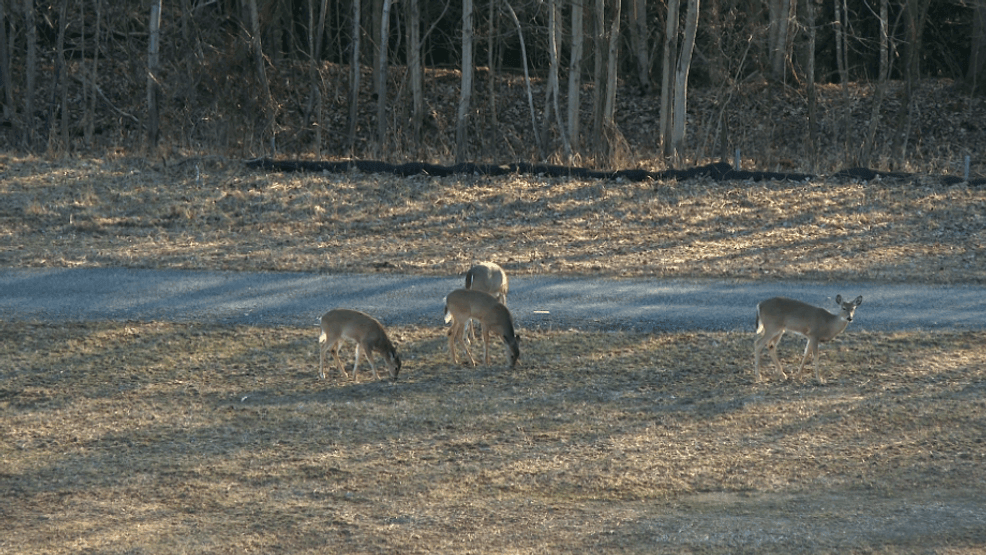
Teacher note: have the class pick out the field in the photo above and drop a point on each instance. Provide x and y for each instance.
(153, 437)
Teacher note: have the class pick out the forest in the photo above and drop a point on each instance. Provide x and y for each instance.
(600, 83)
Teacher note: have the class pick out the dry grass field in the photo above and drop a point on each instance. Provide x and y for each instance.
(153, 437)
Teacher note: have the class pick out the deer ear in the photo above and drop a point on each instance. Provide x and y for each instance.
(838, 299)
(858, 301)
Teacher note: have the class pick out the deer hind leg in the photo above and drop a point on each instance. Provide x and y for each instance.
(368, 355)
(335, 355)
(772, 349)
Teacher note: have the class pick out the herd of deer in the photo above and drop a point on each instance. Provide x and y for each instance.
(484, 299)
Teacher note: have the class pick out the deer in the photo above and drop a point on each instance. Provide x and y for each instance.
(780, 314)
(487, 277)
(369, 335)
(463, 304)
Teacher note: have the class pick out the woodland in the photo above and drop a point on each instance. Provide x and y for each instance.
(606, 83)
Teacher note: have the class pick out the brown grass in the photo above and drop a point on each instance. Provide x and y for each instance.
(214, 214)
(149, 437)
(163, 438)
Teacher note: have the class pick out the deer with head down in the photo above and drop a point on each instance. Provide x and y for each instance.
(369, 335)
(463, 304)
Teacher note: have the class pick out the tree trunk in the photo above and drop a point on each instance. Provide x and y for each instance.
(551, 94)
(599, 69)
(465, 94)
(527, 77)
(8, 89)
(90, 117)
(976, 75)
(916, 14)
(612, 67)
(841, 46)
(638, 37)
(354, 76)
(267, 102)
(575, 76)
(153, 66)
(381, 71)
(681, 79)
(812, 97)
(31, 32)
(667, 75)
(780, 17)
(415, 69)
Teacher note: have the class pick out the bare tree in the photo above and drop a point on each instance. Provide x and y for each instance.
(8, 89)
(354, 76)
(779, 38)
(153, 66)
(638, 38)
(667, 75)
(31, 32)
(415, 69)
(681, 79)
(575, 75)
(842, 63)
(527, 77)
(976, 75)
(916, 14)
(90, 110)
(381, 74)
(258, 58)
(551, 94)
(809, 12)
(465, 93)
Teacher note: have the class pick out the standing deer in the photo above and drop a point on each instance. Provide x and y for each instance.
(369, 335)
(779, 314)
(487, 277)
(463, 304)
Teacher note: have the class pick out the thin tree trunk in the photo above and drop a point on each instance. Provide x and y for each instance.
(414, 67)
(153, 65)
(491, 77)
(258, 57)
(638, 37)
(31, 32)
(354, 76)
(917, 11)
(681, 78)
(667, 75)
(812, 97)
(465, 94)
(599, 71)
(8, 89)
(90, 125)
(612, 67)
(527, 77)
(551, 94)
(976, 75)
(382, 69)
(575, 76)
(866, 151)
(841, 44)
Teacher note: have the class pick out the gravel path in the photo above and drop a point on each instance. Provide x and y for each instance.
(536, 301)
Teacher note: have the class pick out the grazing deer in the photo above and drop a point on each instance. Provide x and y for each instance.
(463, 304)
(779, 314)
(488, 278)
(340, 324)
